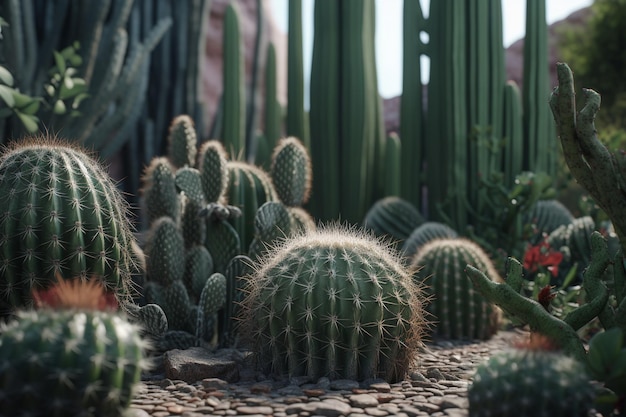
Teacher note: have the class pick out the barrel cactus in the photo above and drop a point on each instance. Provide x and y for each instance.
(60, 214)
(69, 357)
(423, 234)
(546, 216)
(335, 303)
(525, 383)
(393, 217)
(459, 311)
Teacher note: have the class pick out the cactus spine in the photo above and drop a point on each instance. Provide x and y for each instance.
(459, 310)
(333, 303)
(61, 214)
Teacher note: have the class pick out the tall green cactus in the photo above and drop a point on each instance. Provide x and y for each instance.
(297, 125)
(272, 125)
(234, 95)
(333, 303)
(344, 117)
(62, 214)
(459, 310)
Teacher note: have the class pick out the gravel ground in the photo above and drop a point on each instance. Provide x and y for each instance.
(437, 386)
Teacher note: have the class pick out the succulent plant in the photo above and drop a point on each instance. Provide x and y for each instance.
(333, 302)
(61, 214)
(525, 383)
(546, 216)
(423, 234)
(68, 357)
(393, 217)
(291, 172)
(459, 310)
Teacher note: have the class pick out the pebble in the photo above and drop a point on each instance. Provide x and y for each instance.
(437, 385)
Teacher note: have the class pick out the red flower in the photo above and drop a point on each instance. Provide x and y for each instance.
(542, 255)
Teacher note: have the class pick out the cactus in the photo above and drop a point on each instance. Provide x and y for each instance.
(61, 214)
(182, 142)
(394, 218)
(425, 233)
(459, 310)
(214, 171)
(272, 126)
(160, 197)
(546, 216)
(525, 383)
(297, 124)
(333, 303)
(291, 172)
(69, 357)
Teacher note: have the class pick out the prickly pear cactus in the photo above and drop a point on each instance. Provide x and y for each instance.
(333, 303)
(393, 217)
(459, 311)
(291, 172)
(60, 213)
(69, 361)
(530, 383)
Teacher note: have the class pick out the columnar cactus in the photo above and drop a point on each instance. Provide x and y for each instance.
(393, 217)
(525, 383)
(460, 312)
(60, 214)
(70, 361)
(333, 303)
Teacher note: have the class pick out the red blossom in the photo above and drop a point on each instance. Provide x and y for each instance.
(542, 255)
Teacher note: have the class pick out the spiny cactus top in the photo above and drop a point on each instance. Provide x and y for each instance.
(334, 303)
(60, 214)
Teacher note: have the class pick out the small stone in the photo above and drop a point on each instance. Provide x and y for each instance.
(196, 363)
(176, 409)
(330, 408)
(435, 374)
(313, 392)
(252, 410)
(376, 412)
(381, 386)
(418, 376)
(343, 385)
(363, 400)
(213, 384)
(261, 388)
(136, 412)
(454, 402)
(417, 409)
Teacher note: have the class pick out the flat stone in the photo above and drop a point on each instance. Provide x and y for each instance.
(363, 400)
(214, 384)
(251, 410)
(196, 363)
(330, 408)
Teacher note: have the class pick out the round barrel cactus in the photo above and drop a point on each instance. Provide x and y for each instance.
(460, 312)
(393, 217)
(423, 234)
(530, 383)
(546, 216)
(333, 303)
(61, 214)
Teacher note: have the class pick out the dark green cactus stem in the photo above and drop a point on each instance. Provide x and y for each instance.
(182, 142)
(160, 196)
(394, 218)
(253, 96)
(68, 363)
(198, 267)
(512, 133)
(425, 233)
(411, 104)
(561, 332)
(61, 215)
(459, 310)
(222, 242)
(214, 171)
(212, 298)
(165, 252)
(234, 95)
(297, 125)
(150, 317)
(393, 167)
(601, 172)
(271, 223)
(547, 216)
(531, 383)
(177, 306)
(540, 149)
(272, 125)
(291, 172)
(238, 268)
(189, 181)
(333, 303)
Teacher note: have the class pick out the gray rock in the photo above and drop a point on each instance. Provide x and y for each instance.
(330, 408)
(196, 363)
(363, 400)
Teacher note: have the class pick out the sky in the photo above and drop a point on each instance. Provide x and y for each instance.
(389, 32)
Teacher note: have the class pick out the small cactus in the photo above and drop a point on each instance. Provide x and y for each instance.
(459, 310)
(546, 216)
(182, 141)
(60, 214)
(423, 234)
(334, 303)
(69, 357)
(530, 383)
(394, 218)
(291, 172)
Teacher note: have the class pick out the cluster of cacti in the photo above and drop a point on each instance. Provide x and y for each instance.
(61, 214)
(333, 302)
(524, 383)
(545, 216)
(394, 218)
(459, 311)
(72, 356)
(204, 220)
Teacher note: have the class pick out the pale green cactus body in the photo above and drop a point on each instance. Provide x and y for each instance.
(213, 170)
(425, 233)
(182, 142)
(291, 172)
(160, 196)
(60, 214)
(188, 180)
(521, 383)
(333, 303)
(165, 252)
(68, 363)
(459, 310)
